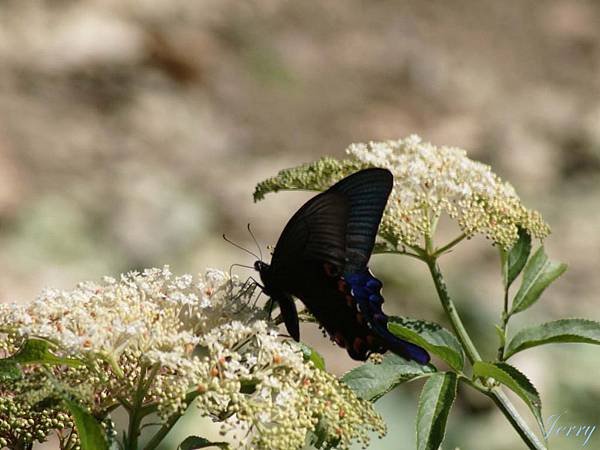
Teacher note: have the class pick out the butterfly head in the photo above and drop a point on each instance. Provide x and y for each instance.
(264, 270)
(261, 266)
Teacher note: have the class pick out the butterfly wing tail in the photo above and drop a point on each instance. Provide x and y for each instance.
(366, 291)
(400, 346)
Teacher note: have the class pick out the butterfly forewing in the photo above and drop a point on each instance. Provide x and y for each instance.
(367, 192)
(321, 258)
(317, 232)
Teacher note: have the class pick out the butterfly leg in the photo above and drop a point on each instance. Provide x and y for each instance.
(270, 303)
(247, 289)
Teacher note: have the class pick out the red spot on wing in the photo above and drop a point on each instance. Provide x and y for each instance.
(329, 270)
(342, 286)
(359, 345)
(360, 319)
(339, 339)
(350, 301)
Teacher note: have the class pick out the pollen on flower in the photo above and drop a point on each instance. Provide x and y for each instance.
(163, 332)
(428, 181)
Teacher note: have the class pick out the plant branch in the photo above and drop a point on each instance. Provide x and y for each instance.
(449, 245)
(399, 252)
(451, 311)
(164, 430)
(509, 411)
(504, 326)
(135, 413)
(495, 393)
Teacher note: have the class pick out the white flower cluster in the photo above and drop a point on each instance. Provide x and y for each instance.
(182, 339)
(430, 180)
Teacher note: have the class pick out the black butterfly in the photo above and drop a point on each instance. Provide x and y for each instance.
(321, 258)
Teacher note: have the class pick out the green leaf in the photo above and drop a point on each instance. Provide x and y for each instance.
(248, 387)
(310, 354)
(514, 259)
(435, 402)
(539, 273)
(515, 381)
(501, 335)
(371, 381)
(91, 435)
(9, 371)
(37, 351)
(194, 442)
(320, 439)
(564, 330)
(431, 337)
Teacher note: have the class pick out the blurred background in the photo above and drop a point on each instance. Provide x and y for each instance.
(132, 134)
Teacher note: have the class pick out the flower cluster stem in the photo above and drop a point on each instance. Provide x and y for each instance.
(451, 311)
(504, 327)
(135, 418)
(495, 393)
(158, 437)
(136, 409)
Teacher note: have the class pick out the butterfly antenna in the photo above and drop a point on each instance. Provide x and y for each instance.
(239, 265)
(255, 241)
(240, 247)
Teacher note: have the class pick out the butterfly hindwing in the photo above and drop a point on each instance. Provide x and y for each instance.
(329, 299)
(366, 292)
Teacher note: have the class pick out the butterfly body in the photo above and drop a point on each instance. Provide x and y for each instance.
(321, 258)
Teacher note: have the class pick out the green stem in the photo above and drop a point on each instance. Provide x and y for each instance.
(164, 430)
(504, 326)
(449, 245)
(135, 413)
(509, 411)
(495, 393)
(399, 252)
(451, 311)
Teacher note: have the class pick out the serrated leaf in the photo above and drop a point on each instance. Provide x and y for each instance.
(431, 337)
(516, 381)
(90, 432)
(435, 401)
(37, 351)
(194, 442)
(371, 381)
(559, 331)
(310, 354)
(514, 259)
(539, 273)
